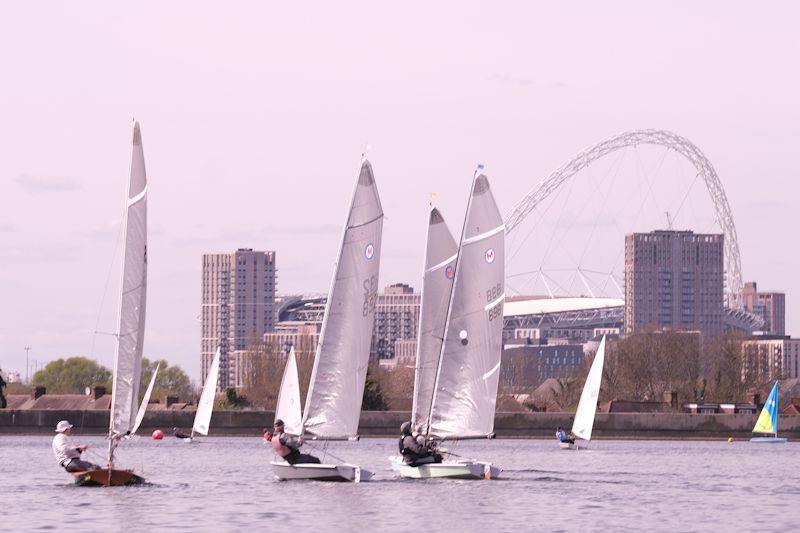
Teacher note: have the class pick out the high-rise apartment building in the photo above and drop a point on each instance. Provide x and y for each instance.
(396, 318)
(771, 306)
(237, 306)
(770, 357)
(674, 279)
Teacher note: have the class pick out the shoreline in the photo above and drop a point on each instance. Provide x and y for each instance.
(380, 424)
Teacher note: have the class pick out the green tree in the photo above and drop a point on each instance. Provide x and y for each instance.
(170, 381)
(373, 394)
(72, 375)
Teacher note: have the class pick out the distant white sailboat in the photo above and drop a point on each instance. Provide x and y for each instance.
(130, 328)
(587, 406)
(145, 401)
(333, 403)
(205, 406)
(460, 338)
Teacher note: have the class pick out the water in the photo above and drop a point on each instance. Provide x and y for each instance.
(227, 483)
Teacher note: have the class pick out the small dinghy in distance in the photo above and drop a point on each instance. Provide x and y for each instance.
(333, 402)
(205, 406)
(587, 406)
(768, 420)
(460, 337)
(125, 419)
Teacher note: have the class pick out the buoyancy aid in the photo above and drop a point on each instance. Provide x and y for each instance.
(280, 448)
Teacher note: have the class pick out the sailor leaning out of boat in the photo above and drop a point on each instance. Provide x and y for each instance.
(288, 447)
(67, 454)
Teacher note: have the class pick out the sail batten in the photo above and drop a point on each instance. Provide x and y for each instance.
(333, 403)
(133, 292)
(441, 252)
(465, 392)
(205, 405)
(587, 405)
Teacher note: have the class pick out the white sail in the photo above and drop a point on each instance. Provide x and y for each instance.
(133, 290)
(145, 401)
(333, 403)
(465, 394)
(437, 282)
(587, 405)
(288, 407)
(205, 406)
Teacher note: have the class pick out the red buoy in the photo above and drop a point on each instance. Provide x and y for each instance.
(158, 434)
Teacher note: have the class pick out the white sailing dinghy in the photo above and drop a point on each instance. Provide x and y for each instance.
(587, 405)
(768, 420)
(333, 402)
(130, 328)
(460, 338)
(145, 401)
(205, 406)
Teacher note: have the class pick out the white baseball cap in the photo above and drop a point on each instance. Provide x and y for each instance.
(63, 426)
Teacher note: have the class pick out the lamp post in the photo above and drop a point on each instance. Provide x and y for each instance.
(27, 367)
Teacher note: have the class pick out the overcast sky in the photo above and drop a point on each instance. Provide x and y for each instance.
(254, 118)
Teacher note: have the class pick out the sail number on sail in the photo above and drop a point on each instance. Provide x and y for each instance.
(493, 300)
(370, 295)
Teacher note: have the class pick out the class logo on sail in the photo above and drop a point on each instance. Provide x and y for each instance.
(450, 272)
(369, 251)
(490, 255)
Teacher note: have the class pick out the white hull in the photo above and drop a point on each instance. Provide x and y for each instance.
(462, 469)
(320, 472)
(567, 445)
(768, 440)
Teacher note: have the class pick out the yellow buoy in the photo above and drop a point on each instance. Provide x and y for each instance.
(730, 439)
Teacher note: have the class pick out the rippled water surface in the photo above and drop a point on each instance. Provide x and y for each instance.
(226, 484)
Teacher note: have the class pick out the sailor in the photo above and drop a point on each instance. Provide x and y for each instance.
(414, 449)
(67, 454)
(288, 446)
(561, 435)
(176, 432)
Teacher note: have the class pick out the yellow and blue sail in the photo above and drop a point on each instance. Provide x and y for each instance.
(768, 419)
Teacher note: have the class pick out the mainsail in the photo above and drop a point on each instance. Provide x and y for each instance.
(465, 394)
(145, 400)
(768, 419)
(587, 405)
(437, 282)
(288, 408)
(334, 396)
(205, 406)
(130, 329)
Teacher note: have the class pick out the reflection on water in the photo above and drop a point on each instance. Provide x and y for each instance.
(227, 482)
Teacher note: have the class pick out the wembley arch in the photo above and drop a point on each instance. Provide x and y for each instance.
(671, 141)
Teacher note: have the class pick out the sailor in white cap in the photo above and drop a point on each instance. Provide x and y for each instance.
(67, 454)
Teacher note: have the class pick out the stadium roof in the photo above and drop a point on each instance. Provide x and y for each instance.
(533, 305)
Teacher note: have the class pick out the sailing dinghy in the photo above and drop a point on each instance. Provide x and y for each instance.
(460, 336)
(768, 420)
(205, 406)
(130, 327)
(587, 405)
(333, 402)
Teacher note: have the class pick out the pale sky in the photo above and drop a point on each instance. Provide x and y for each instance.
(254, 118)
